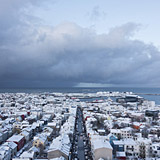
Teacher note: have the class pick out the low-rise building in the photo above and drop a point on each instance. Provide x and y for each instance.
(12, 146)
(101, 149)
(60, 147)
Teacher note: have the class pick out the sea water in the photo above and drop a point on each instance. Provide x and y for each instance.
(139, 91)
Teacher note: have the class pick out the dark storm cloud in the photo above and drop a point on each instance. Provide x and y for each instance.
(35, 55)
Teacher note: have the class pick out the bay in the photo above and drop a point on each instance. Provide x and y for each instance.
(140, 91)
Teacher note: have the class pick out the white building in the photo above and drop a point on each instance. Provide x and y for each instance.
(144, 147)
(59, 147)
(131, 148)
(101, 148)
(155, 149)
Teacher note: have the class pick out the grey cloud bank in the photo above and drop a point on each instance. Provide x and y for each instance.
(35, 55)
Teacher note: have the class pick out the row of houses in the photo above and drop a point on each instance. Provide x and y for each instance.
(131, 133)
(44, 122)
(24, 121)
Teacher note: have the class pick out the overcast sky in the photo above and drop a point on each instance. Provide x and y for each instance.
(68, 43)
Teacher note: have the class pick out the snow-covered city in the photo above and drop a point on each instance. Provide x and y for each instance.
(78, 126)
(79, 80)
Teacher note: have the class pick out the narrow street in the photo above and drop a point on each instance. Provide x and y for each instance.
(81, 148)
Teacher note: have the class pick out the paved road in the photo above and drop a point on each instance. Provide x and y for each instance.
(79, 150)
(81, 154)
